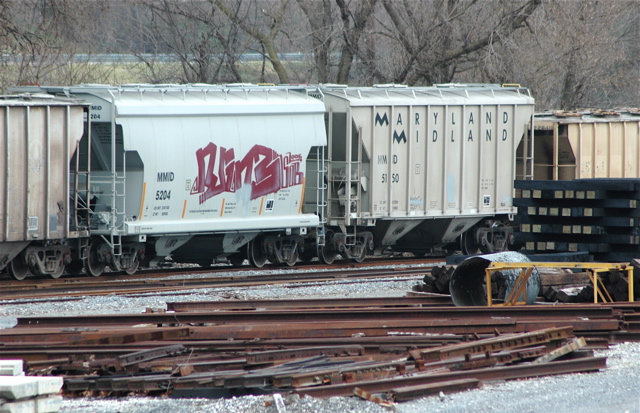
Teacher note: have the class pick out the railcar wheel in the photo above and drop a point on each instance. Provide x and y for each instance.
(92, 265)
(361, 256)
(17, 269)
(293, 259)
(257, 257)
(495, 240)
(132, 268)
(326, 254)
(58, 272)
(468, 244)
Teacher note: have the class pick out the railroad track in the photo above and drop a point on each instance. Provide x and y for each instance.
(190, 279)
(169, 270)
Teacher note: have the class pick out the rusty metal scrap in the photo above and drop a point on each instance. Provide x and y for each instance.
(403, 394)
(486, 346)
(584, 364)
(396, 350)
(121, 362)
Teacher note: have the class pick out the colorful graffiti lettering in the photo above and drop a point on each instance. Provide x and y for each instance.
(262, 168)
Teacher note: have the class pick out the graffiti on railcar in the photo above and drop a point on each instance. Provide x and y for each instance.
(264, 169)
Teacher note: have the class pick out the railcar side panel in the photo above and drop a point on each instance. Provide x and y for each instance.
(454, 169)
(434, 162)
(434, 155)
(489, 136)
(415, 168)
(38, 141)
(381, 162)
(512, 125)
(399, 180)
(587, 145)
(210, 168)
(473, 167)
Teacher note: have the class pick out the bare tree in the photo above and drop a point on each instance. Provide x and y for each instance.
(583, 54)
(354, 22)
(264, 25)
(319, 16)
(41, 41)
(570, 53)
(193, 33)
(436, 41)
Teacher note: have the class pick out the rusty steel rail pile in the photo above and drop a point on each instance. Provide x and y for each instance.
(391, 349)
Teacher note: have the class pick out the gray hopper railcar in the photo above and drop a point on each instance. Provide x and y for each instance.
(43, 214)
(418, 169)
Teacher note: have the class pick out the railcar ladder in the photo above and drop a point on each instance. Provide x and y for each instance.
(119, 204)
(353, 175)
(81, 192)
(81, 205)
(322, 187)
(118, 190)
(352, 197)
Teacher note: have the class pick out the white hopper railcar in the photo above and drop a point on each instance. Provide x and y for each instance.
(198, 172)
(419, 169)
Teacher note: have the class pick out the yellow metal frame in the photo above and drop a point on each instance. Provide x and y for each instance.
(520, 287)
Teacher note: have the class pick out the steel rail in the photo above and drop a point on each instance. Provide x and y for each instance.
(428, 300)
(585, 364)
(332, 314)
(383, 327)
(389, 342)
(45, 350)
(157, 274)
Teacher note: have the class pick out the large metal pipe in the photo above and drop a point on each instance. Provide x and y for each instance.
(468, 279)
